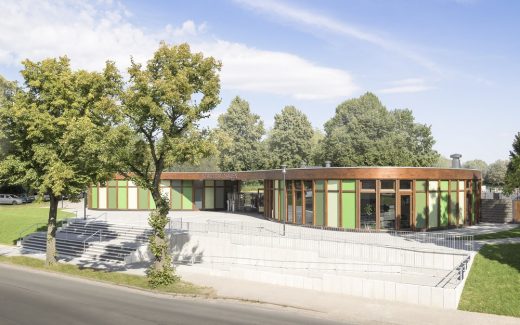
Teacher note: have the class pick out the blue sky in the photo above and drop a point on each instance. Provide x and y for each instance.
(453, 63)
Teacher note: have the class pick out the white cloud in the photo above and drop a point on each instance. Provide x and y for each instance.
(92, 32)
(410, 85)
(330, 24)
(251, 69)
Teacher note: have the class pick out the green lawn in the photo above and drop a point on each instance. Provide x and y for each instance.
(493, 285)
(14, 218)
(515, 232)
(129, 280)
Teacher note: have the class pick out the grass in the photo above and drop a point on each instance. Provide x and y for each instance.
(493, 285)
(515, 232)
(15, 218)
(129, 280)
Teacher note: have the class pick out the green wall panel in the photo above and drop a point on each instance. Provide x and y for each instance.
(187, 198)
(320, 185)
(433, 210)
(332, 209)
(152, 202)
(348, 210)
(142, 202)
(122, 198)
(444, 185)
(421, 185)
(276, 203)
(444, 208)
(94, 198)
(112, 198)
(420, 210)
(320, 208)
(176, 199)
(348, 185)
(122, 183)
(453, 208)
(209, 198)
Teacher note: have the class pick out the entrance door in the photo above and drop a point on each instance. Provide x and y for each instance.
(406, 211)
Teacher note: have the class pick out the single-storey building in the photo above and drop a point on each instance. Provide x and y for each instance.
(402, 198)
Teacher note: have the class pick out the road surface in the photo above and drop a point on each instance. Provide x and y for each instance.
(34, 297)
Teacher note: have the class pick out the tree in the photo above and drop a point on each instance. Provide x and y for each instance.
(496, 173)
(364, 133)
(477, 164)
(512, 177)
(239, 138)
(8, 90)
(162, 104)
(442, 162)
(317, 148)
(290, 140)
(60, 129)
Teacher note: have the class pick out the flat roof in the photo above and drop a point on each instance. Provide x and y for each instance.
(309, 173)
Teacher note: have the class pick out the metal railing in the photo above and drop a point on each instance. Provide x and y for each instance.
(444, 252)
(31, 227)
(91, 236)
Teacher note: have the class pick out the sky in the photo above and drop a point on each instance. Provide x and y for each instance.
(454, 63)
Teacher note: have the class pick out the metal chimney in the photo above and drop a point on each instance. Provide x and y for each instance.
(455, 160)
(327, 163)
(303, 164)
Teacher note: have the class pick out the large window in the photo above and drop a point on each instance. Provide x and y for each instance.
(368, 210)
(309, 202)
(298, 195)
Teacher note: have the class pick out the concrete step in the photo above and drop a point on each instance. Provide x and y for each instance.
(92, 251)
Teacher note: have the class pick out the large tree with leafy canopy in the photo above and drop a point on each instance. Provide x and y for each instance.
(364, 133)
(7, 91)
(162, 104)
(239, 138)
(477, 164)
(512, 178)
(60, 129)
(496, 173)
(290, 139)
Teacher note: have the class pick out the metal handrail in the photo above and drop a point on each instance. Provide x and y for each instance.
(96, 218)
(85, 241)
(29, 227)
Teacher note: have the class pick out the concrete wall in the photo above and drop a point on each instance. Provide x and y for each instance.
(496, 211)
(382, 273)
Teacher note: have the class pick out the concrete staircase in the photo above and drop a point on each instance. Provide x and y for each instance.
(496, 211)
(94, 241)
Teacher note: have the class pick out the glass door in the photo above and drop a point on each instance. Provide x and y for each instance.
(406, 211)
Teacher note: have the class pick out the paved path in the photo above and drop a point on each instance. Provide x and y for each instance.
(32, 297)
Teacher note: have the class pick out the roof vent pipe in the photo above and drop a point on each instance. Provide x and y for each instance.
(455, 160)
(303, 164)
(327, 163)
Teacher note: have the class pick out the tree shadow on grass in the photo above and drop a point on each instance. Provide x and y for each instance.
(508, 254)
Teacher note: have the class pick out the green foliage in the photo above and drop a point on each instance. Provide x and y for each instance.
(512, 177)
(290, 140)
(496, 173)
(162, 105)
(8, 90)
(364, 133)
(477, 164)
(239, 138)
(59, 127)
(317, 148)
(442, 162)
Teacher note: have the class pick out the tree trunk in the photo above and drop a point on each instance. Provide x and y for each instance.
(161, 272)
(51, 231)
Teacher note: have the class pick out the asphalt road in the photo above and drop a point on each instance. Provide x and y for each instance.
(31, 297)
